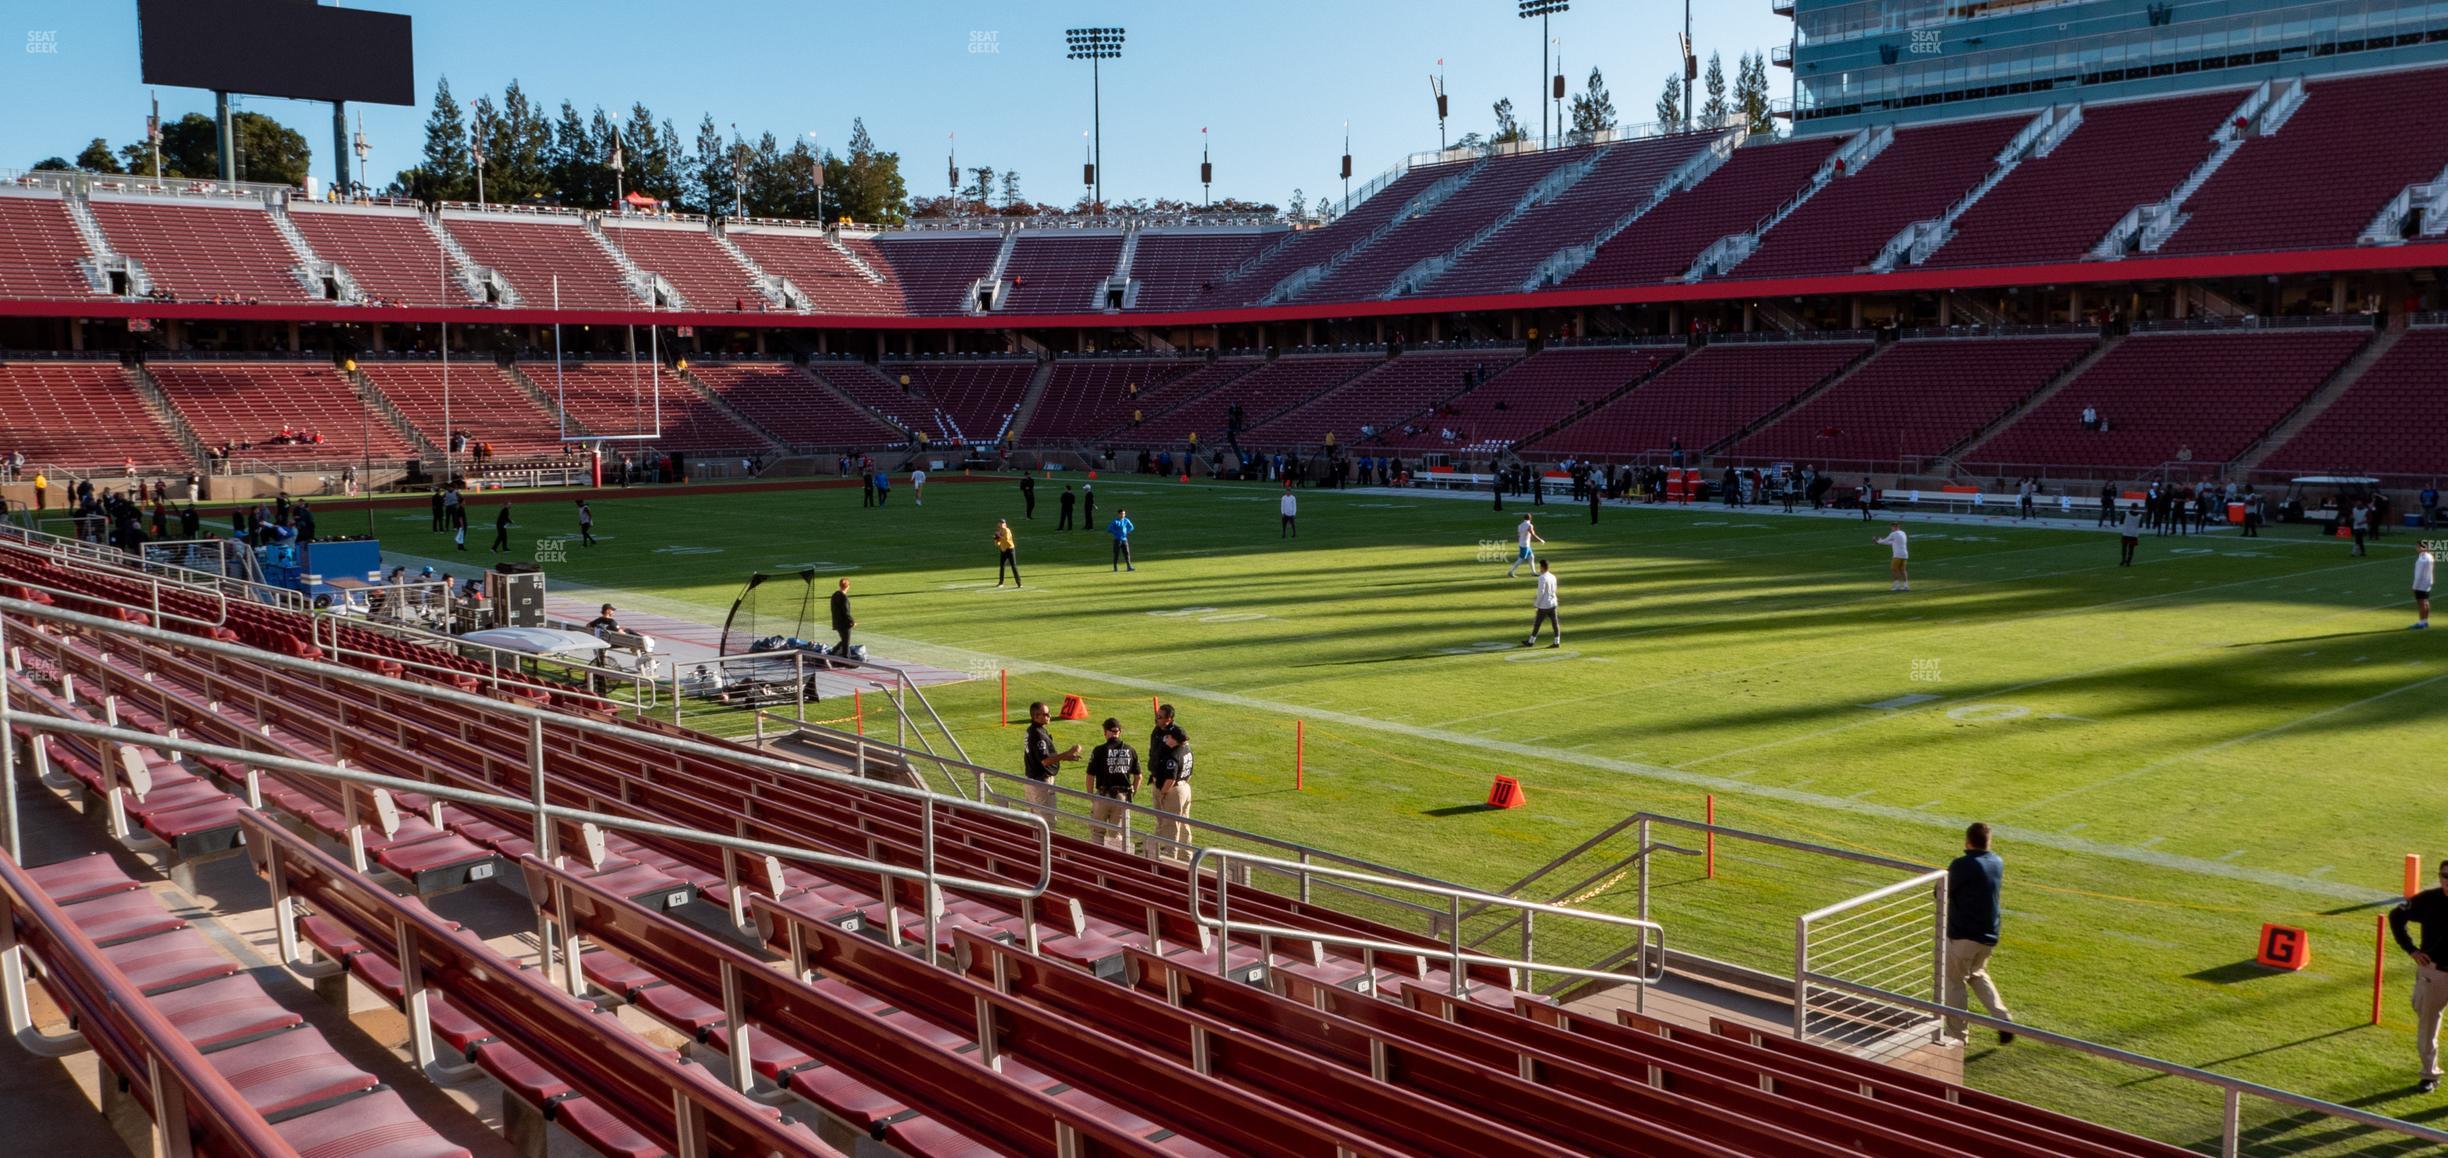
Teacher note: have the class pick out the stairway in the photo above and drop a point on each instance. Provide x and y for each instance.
(776, 289)
(1945, 462)
(1028, 400)
(398, 421)
(2311, 407)
(1794, 403)
(1686, 176)
(1247, 369)
(1428, 199)
(101, 260)
(1550, 187)
(1121, 278)
(311, 270)
(1732, 250)
(846, 398)
(1919, 240)
(571, 428)
(159, 403)
(474, 279)
(718, 402)
(649, 286)
(2148, 226)
(851, 255)
(1601, 403)
(991, 286)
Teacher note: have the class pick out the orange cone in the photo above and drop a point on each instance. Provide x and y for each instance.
(1073, 708)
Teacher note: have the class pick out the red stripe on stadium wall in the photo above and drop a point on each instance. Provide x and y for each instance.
(2309, 261)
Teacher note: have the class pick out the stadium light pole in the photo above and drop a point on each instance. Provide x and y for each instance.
(1095, 45)
(739, 177)
(363, 149)
(1542, 9)
(818, 168)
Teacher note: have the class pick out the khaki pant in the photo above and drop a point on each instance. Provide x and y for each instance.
(1041, 797)
(2430, 997)
(1108, 814)
(1967, 966)
(1173, 836)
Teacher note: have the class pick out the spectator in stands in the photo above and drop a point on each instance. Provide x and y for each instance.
(501, 529)
(2429, 909)
(1974, 882)
(1113, 774)
(843, 621)
(1674, 447)
(586, 524)
(2090, 418)
(1040, 762)
(15, 464)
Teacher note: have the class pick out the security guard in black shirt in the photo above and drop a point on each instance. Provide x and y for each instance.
(1170, 755)
(1028, 495)
(1040, 762)
(1113, 774)
(1068, 501)
(2429, 909)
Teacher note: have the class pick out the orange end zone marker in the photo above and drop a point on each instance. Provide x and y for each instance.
(2413, 881)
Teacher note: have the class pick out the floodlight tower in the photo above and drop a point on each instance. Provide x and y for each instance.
(1095, 45)
(1542, 9)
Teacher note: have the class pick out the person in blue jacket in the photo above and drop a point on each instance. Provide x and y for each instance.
(1121, 529)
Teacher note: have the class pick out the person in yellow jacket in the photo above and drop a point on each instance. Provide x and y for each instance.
(1007, 546)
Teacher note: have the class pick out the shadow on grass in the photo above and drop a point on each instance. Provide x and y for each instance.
(2235, 972)
(1459, 810)
(2314, 638)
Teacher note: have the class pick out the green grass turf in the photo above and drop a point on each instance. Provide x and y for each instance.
(2174, 753)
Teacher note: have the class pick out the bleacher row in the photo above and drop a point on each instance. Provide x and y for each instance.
(1100, 1017)
(2206, 397)
(1425, 234)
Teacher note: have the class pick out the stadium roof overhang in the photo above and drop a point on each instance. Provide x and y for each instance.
(2140, 269)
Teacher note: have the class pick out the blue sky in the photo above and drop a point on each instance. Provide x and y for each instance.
(1273, 80)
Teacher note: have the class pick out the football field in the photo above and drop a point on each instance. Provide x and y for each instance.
(2228, 732)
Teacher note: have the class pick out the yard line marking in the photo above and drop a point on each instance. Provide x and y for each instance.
(2231, 854)
(1985, 625)
(2230, 742)
(2151, 843)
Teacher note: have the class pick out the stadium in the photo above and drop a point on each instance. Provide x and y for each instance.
(503, 660)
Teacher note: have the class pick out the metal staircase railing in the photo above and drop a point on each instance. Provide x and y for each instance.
(990, 287)
(1732, 250)
(158, 401)
(1696, 168)
(1919, 240)
(474, 279)
(774, 288)
(367, 394)
(1426, 200)
(101, 260)
(2149, 225)
(1550, 187)
(648, 286)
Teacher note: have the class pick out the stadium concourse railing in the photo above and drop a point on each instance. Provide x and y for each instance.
(538, 807)
(1305, 873)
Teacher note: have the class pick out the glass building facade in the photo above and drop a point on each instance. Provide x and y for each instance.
(1856, 62)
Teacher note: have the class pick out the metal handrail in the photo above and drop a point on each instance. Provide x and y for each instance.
(1224, 925)
(183, 1085)
(2230, 1137)
(1934, 880)
(534, 716)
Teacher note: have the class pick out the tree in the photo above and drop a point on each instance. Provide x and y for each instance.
(1593, 111)
(522, 156)
(268, 151)
(97, 158)
(1670, 103)
(54, 165)
(1298, 207)
(773, 189)
(1013, 203)
(1508, 129)
(446, 174)
(870, 188)
(710, 170)
(576, 175)
(980, 188)
(1716, 109)
(1751, 93)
